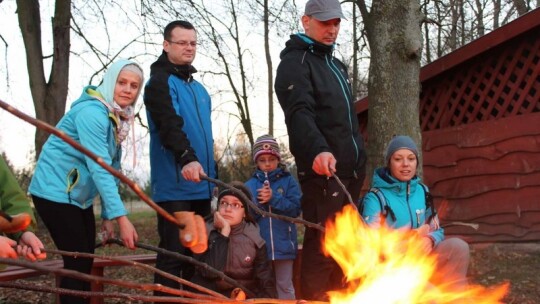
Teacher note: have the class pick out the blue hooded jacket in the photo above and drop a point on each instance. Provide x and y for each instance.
(280, 236)
(179, 116)
(64, 174)
(406, 200)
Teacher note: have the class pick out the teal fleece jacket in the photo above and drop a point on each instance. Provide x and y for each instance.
(65, 175)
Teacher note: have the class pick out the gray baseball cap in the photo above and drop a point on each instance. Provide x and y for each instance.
(324, 10)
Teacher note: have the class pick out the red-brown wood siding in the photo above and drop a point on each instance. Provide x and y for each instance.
(485, 177)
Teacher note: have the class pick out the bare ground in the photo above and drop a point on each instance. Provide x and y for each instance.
(491, 264)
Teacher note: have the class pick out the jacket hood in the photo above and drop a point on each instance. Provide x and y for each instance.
(163, 64)
(302, 42)
(108, 84)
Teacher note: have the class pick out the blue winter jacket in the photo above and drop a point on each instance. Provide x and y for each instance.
(178, 110)
(406, 200)
(280, 236)
(65, 175)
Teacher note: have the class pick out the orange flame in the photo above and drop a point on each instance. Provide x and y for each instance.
(389, 266)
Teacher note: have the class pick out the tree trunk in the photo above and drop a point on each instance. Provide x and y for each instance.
(49, 97)
(269, 69)
(395, 37)
(521, 6)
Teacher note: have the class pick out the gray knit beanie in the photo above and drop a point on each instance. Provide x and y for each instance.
(265, 144)
(400, 142)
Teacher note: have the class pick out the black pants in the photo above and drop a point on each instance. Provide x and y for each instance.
(322, 198)
(169, 235)
(72, 229)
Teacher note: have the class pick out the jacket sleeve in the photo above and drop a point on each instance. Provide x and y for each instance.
(215, 256)
(158, 102)
(264, 274)
(436, 232)
(295, 93)
(371, 210)
(12, 198)
(93, 125)
(288, 203)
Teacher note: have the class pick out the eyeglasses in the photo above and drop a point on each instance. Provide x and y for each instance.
(184, 43)
(234, 206)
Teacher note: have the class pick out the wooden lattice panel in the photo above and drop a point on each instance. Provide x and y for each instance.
(504, 82)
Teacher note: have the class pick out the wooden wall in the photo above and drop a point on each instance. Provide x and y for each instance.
(485, 177)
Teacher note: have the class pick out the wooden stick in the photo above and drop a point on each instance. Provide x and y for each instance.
(118, 295)
(102, 280)
(139, 265)
(191, 260)
(259, 210)
(48, 128)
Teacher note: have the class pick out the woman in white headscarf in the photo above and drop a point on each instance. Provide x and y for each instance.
(66, 182)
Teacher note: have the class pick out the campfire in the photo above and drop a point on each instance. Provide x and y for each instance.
(387, 266)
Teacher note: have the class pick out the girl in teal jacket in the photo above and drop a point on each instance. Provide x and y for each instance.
(401, 203)
(66, 182)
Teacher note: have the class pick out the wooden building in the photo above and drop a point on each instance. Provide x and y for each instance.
(480, 121)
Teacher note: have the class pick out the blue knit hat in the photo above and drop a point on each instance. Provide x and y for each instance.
(400, 142)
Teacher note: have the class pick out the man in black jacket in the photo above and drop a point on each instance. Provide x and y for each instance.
(314, 92)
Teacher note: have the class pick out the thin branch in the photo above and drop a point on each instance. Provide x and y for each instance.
(112, 295)
(259, 210)
(139, 265)
(48, 128)
(190, 260)
(99, 279)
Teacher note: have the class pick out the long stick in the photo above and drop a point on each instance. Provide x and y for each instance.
(191, 260)
(48, 128)
(139, 265)
(102, 280)
(118, 295)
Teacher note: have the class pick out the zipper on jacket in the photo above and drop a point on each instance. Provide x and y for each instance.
(346, 93)
(407, 195)
(267, 183)
(72, 180)
(204, 133)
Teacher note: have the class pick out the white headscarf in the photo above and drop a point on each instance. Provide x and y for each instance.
(125, 115)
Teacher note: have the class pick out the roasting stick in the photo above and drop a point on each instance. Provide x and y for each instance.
(259, 210)
(344, 190)
(50, 129)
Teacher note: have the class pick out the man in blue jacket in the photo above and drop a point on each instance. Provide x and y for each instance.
(314, 92)
(181, 144)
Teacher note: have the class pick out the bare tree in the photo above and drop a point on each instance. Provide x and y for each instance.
(49, 96)
(272, 14)
(521, 6)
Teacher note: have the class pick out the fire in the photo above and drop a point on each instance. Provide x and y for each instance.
(387, 266)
